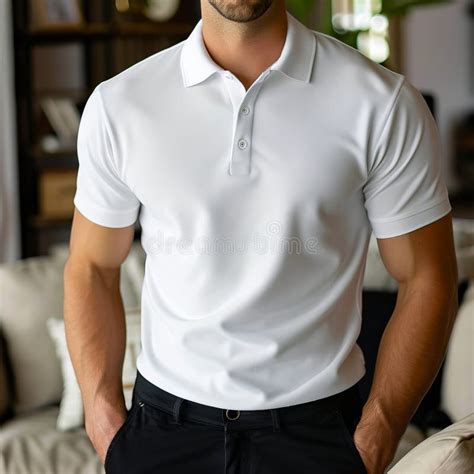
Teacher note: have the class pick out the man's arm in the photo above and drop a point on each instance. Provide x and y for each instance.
(415, 340)
(95, 323)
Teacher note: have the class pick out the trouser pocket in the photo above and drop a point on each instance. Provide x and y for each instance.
(348, 421)
(116, 438)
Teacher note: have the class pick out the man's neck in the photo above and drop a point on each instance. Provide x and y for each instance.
(245, 49)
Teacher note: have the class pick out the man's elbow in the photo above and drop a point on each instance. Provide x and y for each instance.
(79, 271)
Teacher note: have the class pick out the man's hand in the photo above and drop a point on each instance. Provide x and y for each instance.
(375, 439)
(102, 424)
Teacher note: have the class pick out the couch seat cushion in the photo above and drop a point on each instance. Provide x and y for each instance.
(30, 443)
(449, 451)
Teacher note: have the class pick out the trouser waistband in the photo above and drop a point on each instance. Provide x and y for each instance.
(180, 408)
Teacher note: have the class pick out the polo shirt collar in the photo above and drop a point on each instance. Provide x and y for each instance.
(295, 61)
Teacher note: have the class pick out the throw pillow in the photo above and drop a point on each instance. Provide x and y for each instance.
(71, 411)
(31, 290)
(458, 381)
(449, 451)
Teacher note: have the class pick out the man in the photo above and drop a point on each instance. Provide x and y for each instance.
(261, 156)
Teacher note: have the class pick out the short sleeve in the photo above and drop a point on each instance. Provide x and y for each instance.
(404, 189)
(101, 194)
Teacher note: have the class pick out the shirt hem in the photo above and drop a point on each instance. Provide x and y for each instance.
(103, 217)
(348, 383)
(412, 222)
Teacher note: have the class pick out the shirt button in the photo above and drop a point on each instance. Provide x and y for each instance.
(242, 144)
(229, 76)
(245, 110)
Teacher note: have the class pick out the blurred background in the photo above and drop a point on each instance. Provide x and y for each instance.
(54, 52)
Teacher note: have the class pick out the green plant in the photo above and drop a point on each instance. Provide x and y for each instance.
(303, 9)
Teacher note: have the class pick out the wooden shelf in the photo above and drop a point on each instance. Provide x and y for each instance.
(105, 44)
(152, 29)
(41, 222)
(98, 31)
(78, 95)
(64, 159)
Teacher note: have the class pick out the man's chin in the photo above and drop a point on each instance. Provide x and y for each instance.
(241, 11)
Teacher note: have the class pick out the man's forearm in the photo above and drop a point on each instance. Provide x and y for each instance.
(410, 354)
(95, 332)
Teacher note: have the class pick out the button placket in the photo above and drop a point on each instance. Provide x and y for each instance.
(243, 102)
(240, 161)
(241, 151)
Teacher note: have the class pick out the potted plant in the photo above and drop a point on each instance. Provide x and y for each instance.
(318, 14)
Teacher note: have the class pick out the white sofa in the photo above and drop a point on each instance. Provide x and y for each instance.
(32, 292)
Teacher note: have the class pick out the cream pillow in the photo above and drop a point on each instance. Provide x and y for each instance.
(71, 412)
(31, 290)
(457, 389)
(447, 452)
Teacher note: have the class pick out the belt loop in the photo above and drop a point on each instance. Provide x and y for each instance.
(176, 410)
(276, 419)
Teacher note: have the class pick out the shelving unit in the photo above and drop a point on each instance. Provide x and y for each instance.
(98, 30)
(107, 44)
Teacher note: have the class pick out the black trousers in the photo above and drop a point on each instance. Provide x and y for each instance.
(165, 434)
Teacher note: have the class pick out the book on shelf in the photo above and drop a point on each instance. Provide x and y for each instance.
(54, 13)
(56, 193)
(64, 119)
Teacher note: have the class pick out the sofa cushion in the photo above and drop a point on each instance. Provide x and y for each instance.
(449, 451)
(457, 389)
(71, 413)
(463, 231)
(5, 380)
(30, 443)
(32, 290)
(412, 436)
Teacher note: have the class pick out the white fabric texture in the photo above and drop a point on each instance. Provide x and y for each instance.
(256, 207)
(9, 204)
(71, 412)
(100, 188)
(404, 187)
(450, 451)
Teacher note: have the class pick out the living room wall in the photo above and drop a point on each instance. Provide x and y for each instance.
(446, 70)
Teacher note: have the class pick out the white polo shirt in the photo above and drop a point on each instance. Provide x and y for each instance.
(256, 208)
